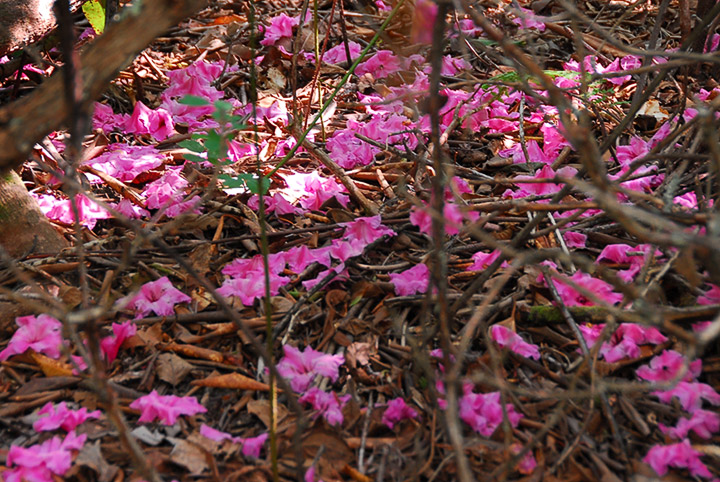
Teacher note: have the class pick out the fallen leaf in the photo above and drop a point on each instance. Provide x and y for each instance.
(233, 381)
(172, 369)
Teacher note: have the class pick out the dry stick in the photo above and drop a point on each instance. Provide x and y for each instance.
(367, 205)
(439, 266)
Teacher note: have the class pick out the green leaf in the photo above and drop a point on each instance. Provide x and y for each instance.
(94, 11)
(253, 183)
(194, 101)
(231, 182)
(194, 158)
(191, 145)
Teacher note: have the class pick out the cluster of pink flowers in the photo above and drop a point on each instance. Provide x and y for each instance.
(166, 408)
(668, 367)
(625, 341)
(251, 446)
(159, 297)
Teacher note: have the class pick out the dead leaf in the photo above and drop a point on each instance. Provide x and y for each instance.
(50, 367)
(172, 369)
(189, 455)
(261, 409)
(90, 456)
(232, 381)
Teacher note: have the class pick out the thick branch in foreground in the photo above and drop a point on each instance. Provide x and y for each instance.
(26, 121)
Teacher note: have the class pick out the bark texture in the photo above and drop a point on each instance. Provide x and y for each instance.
(24, 229)
(25, 21)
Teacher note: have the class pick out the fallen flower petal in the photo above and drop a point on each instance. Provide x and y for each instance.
(40, 333)
(167, 408)
(60, 416)
(396, 411)
(507, 338)
(680, 455)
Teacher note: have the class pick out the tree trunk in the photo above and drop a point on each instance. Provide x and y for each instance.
(24, 229)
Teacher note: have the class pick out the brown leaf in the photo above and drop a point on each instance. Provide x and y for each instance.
(261, 409)
(90, 456)
(50, 367)
(232, 381)
(189, 455)
(172, 369)
(195, 352)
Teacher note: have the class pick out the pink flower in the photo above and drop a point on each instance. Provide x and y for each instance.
(483, 412)
(60, 416)
(158, 296)
(366, 230)
(527, 463)
(167, 408)
(542, 188)
(132, 211)
(301, 368)
(61, 210)
(454, 218)
(40, 462)
(483, 260)
(111, 344)
(337, 54)
(690, 395)
(280, 27)
(411, 281)
(507, 338)
(527, 19)
(711, 296)
(248, 289)
(624, 343)
(679, 455)
(626, 254)
(251, 446)
(343, 250)
(380, 65)
(666, 366)
(574, 239)
(300, 257)
(105, 119)
(423, 21)
(599, 288)
(314, 190)
(451, 66)
(167, 189)
(43, 334)
(396, 411)
(327, 404)
(703, 422)
(158, 123)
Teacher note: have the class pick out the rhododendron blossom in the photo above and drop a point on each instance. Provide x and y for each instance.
(42, 334)
(380, 65)
(40, 462)
(61, 210)
(110, 345)
(680, 455)
(337, 54)
(527, 19)
(396, 411)
(158, 123)
(57, 416)
(483, 412)
(159, 297)
(280, 27)
(251, 446)
(599, 288)
(453, 216)
(703, 422)
(625, 342)
(690, 395)
(327, 404)
(482, 260)
(366, 230)
(667, 366)
(166, 408)
(301, 367)
(411, 281)
(507, 338)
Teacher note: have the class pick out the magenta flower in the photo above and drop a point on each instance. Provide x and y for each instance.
(624, 343)
(454, 218)
(527, 19)
(618, 253)
(167, 408)
(105, 119)
(574, 239)
(528, 463)
(251, 446)
(483, 260)
(666, 366)
(366, 230)
(711, 296)
(300, 257)
(542, 188)
(337, 54)
(39, 462)
(313, 190)
(343, 250)
(43, 334)
(158, 123)
(252, 286)
(599, 288)
(280, 27)
(130, 210)
(60, 416)
(327, 404)
(380, 65)
(411, 281)
(396, 411)
(165, 190)
(483, 412)
(111, 345)
(507, 338)
(680, 455)
(61, 210)
(690, 395)
(423, 21)
(158, 296)
(301, 368)
(703, 422)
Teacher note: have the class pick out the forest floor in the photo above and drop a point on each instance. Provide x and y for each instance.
(558, 320)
